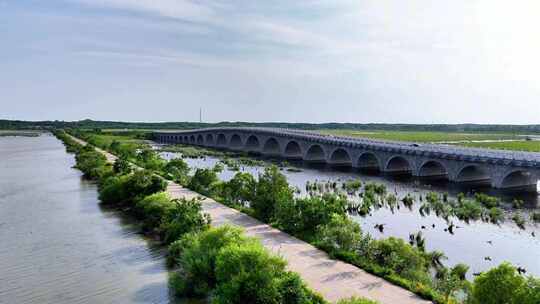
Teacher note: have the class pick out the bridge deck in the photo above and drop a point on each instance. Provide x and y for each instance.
(333, 279)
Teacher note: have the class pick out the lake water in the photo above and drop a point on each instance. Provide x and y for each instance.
(58, 245)
(469, 243)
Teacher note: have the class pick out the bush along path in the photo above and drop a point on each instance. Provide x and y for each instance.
(321, 220)
(223, 262)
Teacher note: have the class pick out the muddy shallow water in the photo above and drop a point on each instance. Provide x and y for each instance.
(58, 245)
(469, 243)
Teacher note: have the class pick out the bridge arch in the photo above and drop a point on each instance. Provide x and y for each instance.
(200, 140)
(186, 139)
(221, 140)
(252, 144)
(293, 150)
(369, 161)
(192, 139)
(236, 141)
(518, 179)
(315, 153)
(209, 139)
(472, 173)
(271, 146)
(433, 169)
(340, 157)
(398, 165)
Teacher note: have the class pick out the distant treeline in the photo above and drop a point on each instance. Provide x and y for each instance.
(93, 124)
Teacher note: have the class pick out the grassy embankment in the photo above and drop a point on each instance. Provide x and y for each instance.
(322, 220)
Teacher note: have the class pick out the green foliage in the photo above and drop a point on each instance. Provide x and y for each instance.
(498, 286)
(130, 188)
(486, 200)
(535, 217)
(122, 166)
(352, 185)
(240, 189)
(496, 215)
(92, 163)
(196, 255)
(302, 216)
(150, 160)
(177, 170)
(342, 234)
(272, 188)
(183, 217)
(466, 210)
(528, 293)
(203, 180)
(460, 270)
(397, 255)
(248, 274)
(447, 283)
(153, 208)
(519, 220)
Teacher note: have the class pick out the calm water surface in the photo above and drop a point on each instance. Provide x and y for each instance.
(57, 244)
(469, 243)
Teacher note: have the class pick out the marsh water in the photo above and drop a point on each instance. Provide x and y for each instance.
(477, 244)
(58, 245)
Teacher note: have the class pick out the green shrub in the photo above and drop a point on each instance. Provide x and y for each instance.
(519, 220)
(153, 208)
(113, 190)
(529, 292)
(248, 274)
(486, 200)
(177, 169)
(496, 215)
(150, 160)
(272, 188)
(239, 189)
(92, 163)
(203, 180)
(127, 189)
(402, 258)
(184, 216)
(352, 185)
(302, 216)
(196, 254)
(497, 286)
(122, 166)
(342, 234)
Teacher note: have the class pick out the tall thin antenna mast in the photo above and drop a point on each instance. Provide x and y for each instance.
(200, 115)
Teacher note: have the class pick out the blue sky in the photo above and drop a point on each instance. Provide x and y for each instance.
(297, 61)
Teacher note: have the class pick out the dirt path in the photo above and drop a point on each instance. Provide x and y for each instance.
(333, 279)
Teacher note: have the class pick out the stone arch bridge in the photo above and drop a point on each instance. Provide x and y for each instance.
(509, 170)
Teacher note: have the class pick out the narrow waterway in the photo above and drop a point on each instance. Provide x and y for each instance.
(58, 245)
(479, 245)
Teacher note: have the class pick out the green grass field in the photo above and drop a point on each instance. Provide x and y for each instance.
(421, 136)
(522, 145)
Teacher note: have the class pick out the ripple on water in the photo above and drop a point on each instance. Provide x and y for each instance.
(58, 245)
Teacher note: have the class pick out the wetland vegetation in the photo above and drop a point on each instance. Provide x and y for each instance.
(322, 218)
